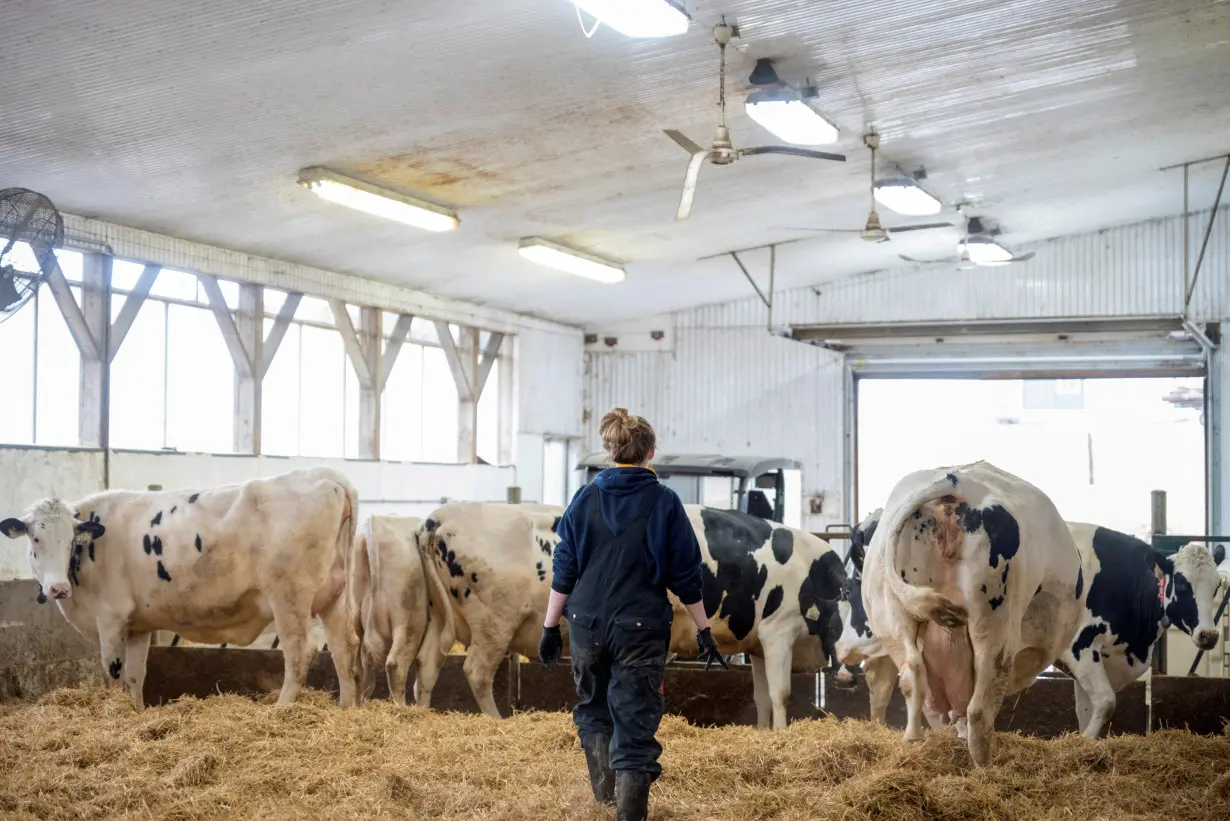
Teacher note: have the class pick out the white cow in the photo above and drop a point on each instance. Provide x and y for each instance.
(1133, 593)
(970, 585)
(393, 608)
(766, 588)
(212, 565)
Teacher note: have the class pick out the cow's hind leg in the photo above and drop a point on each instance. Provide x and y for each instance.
(482, 657)
(136, 652)
(397, 665)
(343, 646)
(1095, 696)
(992, 668)
(777, 659)
(431, 658)
(881, 675)
(293, 621)
(372, 651)
(760, 693)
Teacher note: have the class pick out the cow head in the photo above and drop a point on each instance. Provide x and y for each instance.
(1191, 591)
(856, 642)
(52, 532)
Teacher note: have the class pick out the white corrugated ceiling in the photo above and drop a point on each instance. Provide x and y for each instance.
(194, 121)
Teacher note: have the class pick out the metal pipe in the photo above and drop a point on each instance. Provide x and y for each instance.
(735, 256)
(1208, 231)
(1187, 244)
(772, 277)
(104, 433)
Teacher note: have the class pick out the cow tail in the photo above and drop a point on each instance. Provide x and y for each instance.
(437, 595)
(365, 570)
(346, 546)
(924, 603)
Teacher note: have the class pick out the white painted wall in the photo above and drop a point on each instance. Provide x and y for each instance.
(27, 474)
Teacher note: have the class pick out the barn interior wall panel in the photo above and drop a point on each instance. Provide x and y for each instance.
(549, 382)
(733, 391)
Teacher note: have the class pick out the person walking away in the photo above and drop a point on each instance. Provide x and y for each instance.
(625, 540)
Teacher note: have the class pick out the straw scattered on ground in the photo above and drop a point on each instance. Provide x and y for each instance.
(80, 754)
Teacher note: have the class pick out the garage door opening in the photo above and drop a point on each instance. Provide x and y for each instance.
(1097, 447)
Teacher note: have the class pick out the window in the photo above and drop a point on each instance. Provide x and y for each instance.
(555, 472)
(138, 380)
(440, 405)
(489, 418)
(280, 395)
(17, 376)
(200, 382)
(321, 392)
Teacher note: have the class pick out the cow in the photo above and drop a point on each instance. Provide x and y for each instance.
(390, 591)
(766, 587)
(971, 584)
(214, 565)
(1134, 593)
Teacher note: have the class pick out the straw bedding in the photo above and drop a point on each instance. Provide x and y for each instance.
(83, 754)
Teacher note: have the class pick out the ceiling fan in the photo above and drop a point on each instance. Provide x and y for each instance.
(985, 250)
(873, 231)
(722, 152)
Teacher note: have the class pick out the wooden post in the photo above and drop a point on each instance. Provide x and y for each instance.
(93, 360)
(250, 324)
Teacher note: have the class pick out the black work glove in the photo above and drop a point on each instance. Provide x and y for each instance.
(550, 646)
(709, 649)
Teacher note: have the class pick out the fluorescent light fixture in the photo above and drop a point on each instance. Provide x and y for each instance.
(376, 200)
(903, 195)
(986, 251)
(639, 18)
(553, 255)
(789, 118)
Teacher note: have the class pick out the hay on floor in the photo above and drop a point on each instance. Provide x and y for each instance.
(79, 754)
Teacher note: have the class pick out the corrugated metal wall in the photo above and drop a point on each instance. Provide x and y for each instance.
(549, 382)
(730, 386)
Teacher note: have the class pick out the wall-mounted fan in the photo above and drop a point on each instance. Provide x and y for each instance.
(873, 231)
(722, 151)
(30, 230)
(977, 247)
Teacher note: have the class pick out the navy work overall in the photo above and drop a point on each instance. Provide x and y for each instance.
(619, 624)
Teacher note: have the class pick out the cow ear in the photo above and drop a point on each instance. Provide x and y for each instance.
(13, 528)
(95, 529)
(1219, 553)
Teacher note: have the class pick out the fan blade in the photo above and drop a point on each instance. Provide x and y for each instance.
(689, 184)
(928, 261)
(683, 142)
(794, 152)
(1024, 257)
(927, 226)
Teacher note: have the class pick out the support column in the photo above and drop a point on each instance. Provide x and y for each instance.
(250, 325)
(470, 375)
(93, 361)
(369, 394)
(508, 407)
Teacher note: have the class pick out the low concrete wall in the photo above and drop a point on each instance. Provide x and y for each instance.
(39, 651)
(713, 697)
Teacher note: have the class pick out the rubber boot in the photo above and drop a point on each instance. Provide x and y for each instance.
(598, 758)
(632, 796)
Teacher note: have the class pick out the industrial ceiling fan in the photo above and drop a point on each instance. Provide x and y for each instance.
(722, 151)
(873, 231)
(29, 218)
(977, 247)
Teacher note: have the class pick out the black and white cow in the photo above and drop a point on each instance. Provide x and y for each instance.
(969, 585)
(766, 589)
(1134, 593)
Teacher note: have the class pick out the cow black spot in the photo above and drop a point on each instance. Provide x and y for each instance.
(1096, 657)
(783, 545)
(983, 588)
(467, 592)
(1182, 611)
(74, 564)
(971, 517)
(175, 641)
(918, 513)
(824, 583)
(162, 573)
(430, 525)
(1080, 581)
(174, 508)
(157, 520)
(903, 578)
(996, 602)
(1039, 590)
(1003, 532)
(772, 601)
(91, 550)
(115, 668)
(192, 499)
(1003, 579)
(156, 544)
(858, 614)
(198, 544)
(555, 524)
(952, 477)
(453, 590)
(474, 578)
(1123, 593)
(733, 590)
(544, 545)
(146, 544)
(450, 559)
(1085, 638)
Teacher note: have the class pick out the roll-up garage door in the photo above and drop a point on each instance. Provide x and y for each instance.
(1017, 349)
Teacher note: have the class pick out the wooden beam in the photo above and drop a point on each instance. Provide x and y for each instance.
(280, 325)
(250, 326)
(465, 385)
(369, 395)
(507, 407)
(491, 352)
(70, 310)
(132, 305)
(93, 369)
(226, 323)
(401, 330)
(341, 318)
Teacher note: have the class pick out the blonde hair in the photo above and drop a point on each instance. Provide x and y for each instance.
(627, 438)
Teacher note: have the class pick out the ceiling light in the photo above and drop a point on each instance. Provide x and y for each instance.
(639, 18)
(377, 201)
(570, 260)
(784, 113)
(903, 195)
(986, 251)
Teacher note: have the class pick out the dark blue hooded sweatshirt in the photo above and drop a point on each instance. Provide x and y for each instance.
(672, 554)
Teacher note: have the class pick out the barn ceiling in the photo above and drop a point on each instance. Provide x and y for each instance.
(1053, 118)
